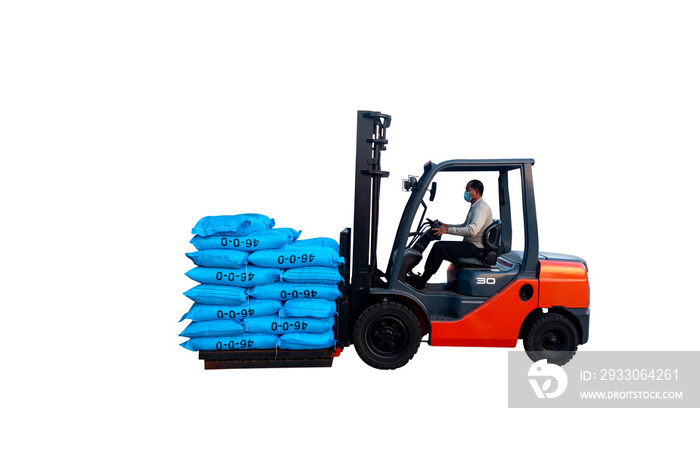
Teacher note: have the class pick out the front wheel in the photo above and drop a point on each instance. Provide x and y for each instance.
(552, 337)
(387, 335)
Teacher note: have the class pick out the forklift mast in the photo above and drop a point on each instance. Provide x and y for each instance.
(371, 141)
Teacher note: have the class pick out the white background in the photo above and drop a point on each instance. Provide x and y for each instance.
(123, 123)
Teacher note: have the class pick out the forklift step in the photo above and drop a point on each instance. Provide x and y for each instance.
(249, 359)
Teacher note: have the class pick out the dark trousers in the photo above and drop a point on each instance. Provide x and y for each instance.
(448, 251)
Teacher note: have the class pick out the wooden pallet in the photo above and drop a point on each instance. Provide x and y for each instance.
(248, 359)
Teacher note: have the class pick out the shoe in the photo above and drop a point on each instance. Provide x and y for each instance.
(416, 281)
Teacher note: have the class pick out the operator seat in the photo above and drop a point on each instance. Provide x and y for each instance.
(491, 239)
(483, 275)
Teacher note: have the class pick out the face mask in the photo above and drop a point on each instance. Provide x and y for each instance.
(466, 196)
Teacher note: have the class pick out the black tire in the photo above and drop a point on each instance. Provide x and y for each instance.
(387, 335)
(552, 337)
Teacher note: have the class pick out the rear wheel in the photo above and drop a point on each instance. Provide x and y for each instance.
(552, 337)
(387, 335)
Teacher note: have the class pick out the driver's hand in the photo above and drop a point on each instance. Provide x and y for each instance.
(441, 230)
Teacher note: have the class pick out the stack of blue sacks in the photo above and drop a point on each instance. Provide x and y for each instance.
(260, 287)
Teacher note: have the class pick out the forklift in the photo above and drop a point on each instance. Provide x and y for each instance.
(492, 300)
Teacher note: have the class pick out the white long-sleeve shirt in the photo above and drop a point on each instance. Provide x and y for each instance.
(478, 218)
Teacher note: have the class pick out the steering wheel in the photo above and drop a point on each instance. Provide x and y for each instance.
(433, 223)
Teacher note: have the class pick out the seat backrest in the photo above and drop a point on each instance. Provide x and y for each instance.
(491, 238)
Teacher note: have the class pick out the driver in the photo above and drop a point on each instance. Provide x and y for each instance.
(478, 218)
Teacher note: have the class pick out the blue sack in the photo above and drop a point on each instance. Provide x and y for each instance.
(319, 308)
(246, 277)
(279, 325)
(316, 242)
(213, 328)
(236, 225)
(219, 258)
(217, 294)
(289, 257)
(299, 341)
(284, 291)
(253, 308)
(267, 239)
(242, 341)
(326, 275)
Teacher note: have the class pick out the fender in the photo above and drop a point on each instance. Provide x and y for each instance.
(409, 301)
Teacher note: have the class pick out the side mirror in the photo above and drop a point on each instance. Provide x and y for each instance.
(433, 190)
